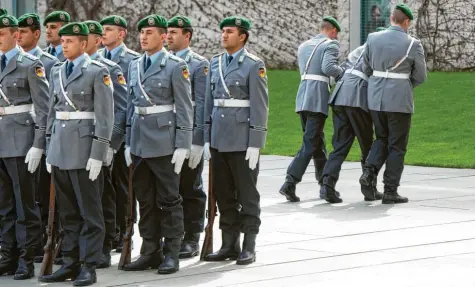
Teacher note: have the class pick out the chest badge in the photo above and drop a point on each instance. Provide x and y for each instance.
(185, 72)
(40, 72)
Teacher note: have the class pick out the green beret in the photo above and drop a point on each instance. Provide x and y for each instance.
(379, 29)
(8, 21)
(28, 20)
(57, 16)
(406, 10)
(332, 21)
(153, 20)
(94, 27)
(74, 29)
(180, 22)
(114, 20)
(3, 11)
(236, 21)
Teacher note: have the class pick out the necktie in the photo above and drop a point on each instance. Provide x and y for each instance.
(69, 69)
(4, 61)
(108, 55)
(52, 51)
(148, 62)
(230, 58)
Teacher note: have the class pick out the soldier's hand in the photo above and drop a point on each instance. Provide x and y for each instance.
(206, 152)
(109, 156)
(94, 167)
(195, 156)
(128, 157)
(48, 167)
(179, 157)
(252, 154)
(33, 158)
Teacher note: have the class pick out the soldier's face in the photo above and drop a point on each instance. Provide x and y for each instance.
(93, 42)
(151, 39)
(8, 39)
(52, 32)
(176, 39)
(112, 35)
(27, 38)
(230, 37)
(73, 46)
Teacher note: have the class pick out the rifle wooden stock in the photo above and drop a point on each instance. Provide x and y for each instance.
(126, 255)
(210, 214)
(51, 248)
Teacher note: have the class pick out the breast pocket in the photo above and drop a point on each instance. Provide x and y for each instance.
(161, 88)
(84, 99)
(237, 87)
(14, 86)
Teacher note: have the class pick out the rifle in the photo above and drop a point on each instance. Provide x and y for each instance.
(125, 256)
(210, 215)
(53, 244)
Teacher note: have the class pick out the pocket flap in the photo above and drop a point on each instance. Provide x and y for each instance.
(242, 116)
(236, 81)
(164, 121)
(86, 131)
(23, 119)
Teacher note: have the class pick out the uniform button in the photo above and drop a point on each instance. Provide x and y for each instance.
(247, 119)
(63, 125)
(67, 104)
(0, 85)
(237, 83)
(14, 84)
(159, 84)
(0, 118)
(27, 121)
(170, 122)
(222, 115)
(82, 92)
(54, 92)
(142, 118)
(142, 97)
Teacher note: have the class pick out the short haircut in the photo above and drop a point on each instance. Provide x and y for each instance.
(162, 30)
(188, 30)
(325, 25)
(34, 28)
(243, 31)
(398, 16)
(13, 29)
(83, 38)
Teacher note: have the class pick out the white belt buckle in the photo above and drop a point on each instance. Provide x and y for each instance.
(65, 116)
(387, 73)
(221, 102)
(142, 110)
(2, 111)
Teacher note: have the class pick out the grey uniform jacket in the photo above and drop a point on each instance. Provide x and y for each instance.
(59, 56)
(384, 50)
(120, 101)
(234, 129)
(23, 82)
(47, 60)
(352, 89)
(123, 57)
(166, 82)
(73, 142)
(198, 66)
(312, 95)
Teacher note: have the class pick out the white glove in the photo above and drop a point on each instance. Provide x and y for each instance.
(128, 157)
(195, 156)
(252, 154)
(94, 167)
(48, 167)
(33, 158)
(206, 152)
(179, 157)
(109, 156)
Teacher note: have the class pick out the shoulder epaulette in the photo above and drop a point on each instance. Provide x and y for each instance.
(197, 56)
(97, 63)
(253, 57)
(49, 56)
(218, 55)
(132, 52)
(174, 58)
(109, 62)
(28, 56)
(58, 64)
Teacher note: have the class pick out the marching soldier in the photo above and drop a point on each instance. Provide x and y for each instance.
(53, 23)
(180, 32)
(318, 61)
(114, 32)
(236, 111)
(395, 65)
(118, 135)
(23, 87)
(158, 84)
(80, 122)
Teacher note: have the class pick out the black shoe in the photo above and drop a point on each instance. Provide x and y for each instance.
(190, 246)
(171, 264)
(66, 272)
(288, 190)
(391, 196)
(368, 177)
(230, 248)
(58, 261)
(105, 260)
(86, 277)
(248, 254)
(145, 262)
(26, 267)
(331, 195)
(8, 261)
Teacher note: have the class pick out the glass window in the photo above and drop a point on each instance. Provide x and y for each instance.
(374, 14)
(24, 6)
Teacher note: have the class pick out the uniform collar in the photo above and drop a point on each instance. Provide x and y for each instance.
(78, 60)
(58, 49)
(182, 53)
(396, 28)
(155, 56)
(34, 51)
(10, 54)
(94, 56)
(115, 50)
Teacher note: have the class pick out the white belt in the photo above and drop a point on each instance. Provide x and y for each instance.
(193, 103)
(66, 116)
(390, 75)
(231, 103)
(315, 78)
(153, 109)
(10, 110)
(357, 73)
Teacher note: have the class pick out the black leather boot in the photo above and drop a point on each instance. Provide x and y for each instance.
(69, 270)
(288, 190)
(145, 262)
(230, 247)
(105, 260)
(87, 276)
(367, 177)
(26, 267)
(248, 254)
(8, 261)
(190, 246)
(391, 196)
(171, 263)
(328, 188)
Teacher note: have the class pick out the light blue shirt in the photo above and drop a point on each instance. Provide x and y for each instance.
(182, 52)
(33, 51)
(113, 51)
(154, 57)
(94, 56)
(77, 61)
(10, 54)
(234, 55)
(58, 49)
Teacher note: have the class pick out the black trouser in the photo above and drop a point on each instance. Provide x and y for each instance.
(235, 187)
(43, 180)
(392, 136)
(194, 197)
(80, 213)
(120, 180)
(156, 187)
(348, 123)
(108, 208)
(313, 146)
(20, 221)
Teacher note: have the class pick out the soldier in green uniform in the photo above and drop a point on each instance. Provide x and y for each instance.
(53, 22)
(180, 32)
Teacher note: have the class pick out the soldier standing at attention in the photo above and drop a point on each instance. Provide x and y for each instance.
(118, 135)
(318, 61)
(53, 22)
(236, 111)
(180, 32)
(23, 86)
(80, 122)
(395, 65)
(158, 142)
(114, 32)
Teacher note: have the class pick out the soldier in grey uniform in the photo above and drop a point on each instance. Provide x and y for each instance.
(158, 142)
(318, 62)
(23, 87)
(53, 23)
(180, 32)
(118, 135)
(395, 65)
(80, 123)
(236, 113)
(114, 32)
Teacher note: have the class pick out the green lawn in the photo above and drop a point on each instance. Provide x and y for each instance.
(443, 125)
